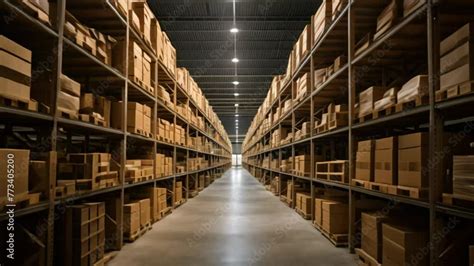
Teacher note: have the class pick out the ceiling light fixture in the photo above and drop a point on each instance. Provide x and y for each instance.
(236, 94)
(234, 30)
(235, 60)
(236, 105)
(235, 83)
(236, 115)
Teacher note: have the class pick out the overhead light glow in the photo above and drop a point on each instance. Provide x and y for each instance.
(236, 115)
(234, 30)
(236, 94)
(235, 83)
(236, 121)
(235, 60)
(236, 105)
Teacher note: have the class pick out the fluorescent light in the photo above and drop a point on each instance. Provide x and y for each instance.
(236, 94)
(234, 30)
(236, 121)
(236, 105)
(236, 115)
(235, 60)
(235, 83)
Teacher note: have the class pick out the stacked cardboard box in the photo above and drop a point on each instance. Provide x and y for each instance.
(303, 165)
(90, 171)
(337, 6)
(336, 116)
(302, 86)
(457, 62)
(15, 73)
(413, 150)
(157, 202)
(368, 98)
(163, 130)
(136, 169)
(388, 17)
(286, 106)
(145, 17)
(303, 203)
(131, 219)
(388, 100)
(304, 42)
(178, 191)
(416, 88)
(138, 117)
(365, 160)
(96, 107)
(68, 97)
(9, 158)
(98, 44)
(335, 217)
(386, 158)
(371, 232)
(179, 134)
(322, 19)
(144, 213)
(164, 165)
(82, 237)
(401, 244)
(463, 175)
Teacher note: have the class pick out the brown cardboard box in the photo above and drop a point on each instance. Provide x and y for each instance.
(17, 160)
(415, 87)
(411, 5)
(372, 234)
(70, 86)
(305, 42)
(322, 19)
(367, 99)
(463, 175)
(103, 107)
(386, 161)
(135, 67)
(335, 217)
(471, 255)
(412, 158)
(365, 160)
(38, 181)
(459, 37)
(68, 101)
(458, 76)
(144, 212)
(388, 17)
(401, 244)
(145, 16)
(131, 218)
(147, 69)
(305, 203)
(17, 60)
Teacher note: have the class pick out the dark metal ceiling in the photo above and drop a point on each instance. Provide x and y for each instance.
(268, 29)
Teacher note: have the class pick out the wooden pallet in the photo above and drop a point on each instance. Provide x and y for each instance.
(138, 179)
(193, 193)
(140, 132)
(179, 203)
(384, 112)
(338, 240)
(458, 200)
(338, 122)
(360, 183)
(142, 85)
(163, 213)
(34, 11)
(411, 192)
(135, 235)
(68, 114)
(455, 91)
(298, 173)
(321, 128)
(92, 119)
(418, 101)
(302, 214)
(147, 226)
(382, 188)
(20, 104)
(365, 258)
(334, 171)
(285, 200)
(362, 119)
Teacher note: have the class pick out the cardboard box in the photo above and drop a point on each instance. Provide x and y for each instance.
(416, 87)
(471, 255)
(131, 218)
(457, 38)
(335, 217)
(372, 238)
(18, 160)
(144, 212)
(322, 19)
(411, 5)
(386, 158)
(463, 175)
(365, 160)
(70, 86)
(15, 76)
(305, 42)
(68, 101)
(367, 99)
(388, 17)
(135, 62)
(147, 70)
(412, 158)
(145, 17)
(401, 244)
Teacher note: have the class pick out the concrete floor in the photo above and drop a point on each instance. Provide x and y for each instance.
(235, 221)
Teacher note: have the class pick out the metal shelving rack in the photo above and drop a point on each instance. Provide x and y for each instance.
(116, 25)
(437, 117)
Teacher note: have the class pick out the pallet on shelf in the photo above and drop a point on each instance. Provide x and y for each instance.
(418, 101)
(306, 216)
(389, 110)
(334, 171)
(462, 89)
(31, 105)
(98, 121)
(69, 114)
(34, 10)
(360, 183)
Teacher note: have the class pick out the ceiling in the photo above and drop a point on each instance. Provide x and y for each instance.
(268, 29)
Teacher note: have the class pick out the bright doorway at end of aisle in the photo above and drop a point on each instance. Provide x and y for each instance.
(236, 160)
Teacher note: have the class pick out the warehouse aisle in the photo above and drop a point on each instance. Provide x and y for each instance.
(235, 221)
